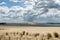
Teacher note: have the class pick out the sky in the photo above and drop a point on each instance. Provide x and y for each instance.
(29, 11)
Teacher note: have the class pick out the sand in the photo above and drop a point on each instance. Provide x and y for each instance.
(29, 29)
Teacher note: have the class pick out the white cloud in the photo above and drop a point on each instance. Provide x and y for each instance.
(2, 3)
(35, 10)
(57, 1)
(16, 0)
(23, 0)
(4, 9)
(52, 12)
(16, 8)
(13, 13)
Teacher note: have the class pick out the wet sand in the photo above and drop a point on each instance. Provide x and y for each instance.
(29, 29)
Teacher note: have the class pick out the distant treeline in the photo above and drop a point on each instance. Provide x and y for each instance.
(31, 24)
(2, 23)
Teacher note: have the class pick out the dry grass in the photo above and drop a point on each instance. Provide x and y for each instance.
(21, 32)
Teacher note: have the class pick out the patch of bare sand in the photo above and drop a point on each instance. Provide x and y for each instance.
(30, 29)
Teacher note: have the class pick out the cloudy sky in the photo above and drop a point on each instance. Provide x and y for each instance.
(29, 11)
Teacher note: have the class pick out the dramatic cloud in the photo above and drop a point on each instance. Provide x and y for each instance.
(34, 11)
(52, 15)
(57, 1)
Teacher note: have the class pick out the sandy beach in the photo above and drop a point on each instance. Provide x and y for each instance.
(29, 29)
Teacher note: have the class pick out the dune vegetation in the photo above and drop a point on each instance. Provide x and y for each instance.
(29, 36)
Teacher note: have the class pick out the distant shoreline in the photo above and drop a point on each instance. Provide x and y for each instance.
(31, 24)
